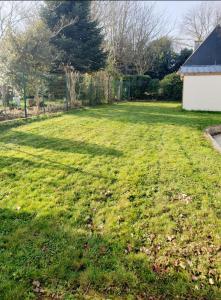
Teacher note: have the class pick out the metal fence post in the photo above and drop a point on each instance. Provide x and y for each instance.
(24, 94)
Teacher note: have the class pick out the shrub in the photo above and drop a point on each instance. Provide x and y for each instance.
(171, 87)
(95, 88)
(137, 85)
(100, 87)
(153, 88)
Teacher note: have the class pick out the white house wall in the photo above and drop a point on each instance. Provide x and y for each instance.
(202, 92)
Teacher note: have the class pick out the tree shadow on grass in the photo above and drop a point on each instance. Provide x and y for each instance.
(38, 161)
(152, 113)
(58, 144)
(7, 125)
(41, 256)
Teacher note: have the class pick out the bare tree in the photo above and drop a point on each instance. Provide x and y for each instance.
(146, 26)
(17, 14)
(201, 19)
(128, 27)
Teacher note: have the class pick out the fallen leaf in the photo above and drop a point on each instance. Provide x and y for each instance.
(44, 248)
(183, 197)
(129, 247)
(194, 278)
(176, 263)
(156, 268)
(212, 272)
(36, 283)
(102, 249)
(145, 250)
(170, 238)
(189, 262)
(182, 265)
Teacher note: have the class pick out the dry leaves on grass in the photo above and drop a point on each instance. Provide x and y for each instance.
(36, 286)
(183, 198)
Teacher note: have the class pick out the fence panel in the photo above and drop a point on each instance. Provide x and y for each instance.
(40, 93)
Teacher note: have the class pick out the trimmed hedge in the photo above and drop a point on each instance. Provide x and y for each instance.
(136, 86)
(99, 87)
(153, 89)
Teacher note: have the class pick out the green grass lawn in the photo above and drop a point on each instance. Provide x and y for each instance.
(112, 202)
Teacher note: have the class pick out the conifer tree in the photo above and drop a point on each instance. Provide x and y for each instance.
(75, 35)
(77, 38)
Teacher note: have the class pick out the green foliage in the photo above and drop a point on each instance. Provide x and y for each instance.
(113, 202)
(77, 38)
(137, 85)
(100, 87)
(153, 88)
(171, 87)
(111, 67)
(95, 88)
(162, 58)
(6, 94)
(56, 86)
(25, 55)
(181, 58)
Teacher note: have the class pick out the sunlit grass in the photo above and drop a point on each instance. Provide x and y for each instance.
(112, 202)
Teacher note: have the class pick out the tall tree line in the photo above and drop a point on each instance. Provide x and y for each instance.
(138, 38)
(86, 36)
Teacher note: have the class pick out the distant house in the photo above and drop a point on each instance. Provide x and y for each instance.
(201, 75)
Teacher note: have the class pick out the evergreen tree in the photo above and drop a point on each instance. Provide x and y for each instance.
(75, 35)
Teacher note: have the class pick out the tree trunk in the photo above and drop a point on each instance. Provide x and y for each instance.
(5, 98)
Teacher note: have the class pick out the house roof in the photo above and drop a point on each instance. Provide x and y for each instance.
(200, 69)
(207, 57)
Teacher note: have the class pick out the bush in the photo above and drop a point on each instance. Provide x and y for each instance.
(95, 88)
(171, 87)
(153, 88)
(137, 85)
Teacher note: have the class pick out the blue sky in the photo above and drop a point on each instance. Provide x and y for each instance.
(176, 9)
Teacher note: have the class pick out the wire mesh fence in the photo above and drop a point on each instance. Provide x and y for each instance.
(33, 95)
(41, 93)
